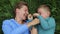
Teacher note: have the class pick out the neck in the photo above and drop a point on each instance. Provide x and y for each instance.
(18, 20)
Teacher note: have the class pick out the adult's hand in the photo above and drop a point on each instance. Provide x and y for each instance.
(33, 22)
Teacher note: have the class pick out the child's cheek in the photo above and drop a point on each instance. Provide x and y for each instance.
(44, 14)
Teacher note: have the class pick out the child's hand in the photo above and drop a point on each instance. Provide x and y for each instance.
(35, 14)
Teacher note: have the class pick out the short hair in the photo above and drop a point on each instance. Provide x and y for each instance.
(45, 6)
(20, 4)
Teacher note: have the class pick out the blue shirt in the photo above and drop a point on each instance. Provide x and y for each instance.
(12, 27)
(46, 26)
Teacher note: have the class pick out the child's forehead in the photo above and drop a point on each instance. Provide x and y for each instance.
(44, 9)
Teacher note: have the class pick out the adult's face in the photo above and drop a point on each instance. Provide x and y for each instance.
(22, 12)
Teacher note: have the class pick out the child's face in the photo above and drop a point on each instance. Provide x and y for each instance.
(44, 12)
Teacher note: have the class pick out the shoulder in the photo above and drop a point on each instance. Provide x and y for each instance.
(7, 21)
(52, 18)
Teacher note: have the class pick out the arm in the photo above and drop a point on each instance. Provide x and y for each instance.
(7, 29)
(34, 30)
(47, 24)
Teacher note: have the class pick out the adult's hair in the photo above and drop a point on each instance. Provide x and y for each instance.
(19, 5)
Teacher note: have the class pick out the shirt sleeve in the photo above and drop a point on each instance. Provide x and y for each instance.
(30, 26)
(29, 21)
(47, 24)
(7, 29)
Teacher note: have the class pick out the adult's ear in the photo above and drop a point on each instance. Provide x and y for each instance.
(17, 10)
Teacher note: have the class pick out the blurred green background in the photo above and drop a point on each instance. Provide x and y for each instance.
(7, 6)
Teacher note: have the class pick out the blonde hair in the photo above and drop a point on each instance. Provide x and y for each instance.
(45, 7)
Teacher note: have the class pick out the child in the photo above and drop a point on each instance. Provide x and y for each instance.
(47, 23)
